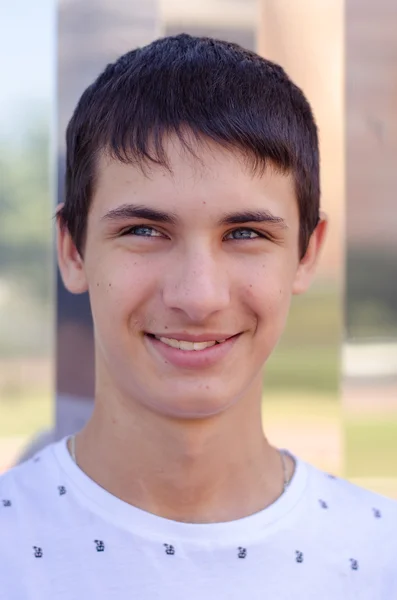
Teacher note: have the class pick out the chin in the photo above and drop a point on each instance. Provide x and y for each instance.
(191, 406)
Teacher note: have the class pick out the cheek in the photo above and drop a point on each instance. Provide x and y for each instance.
(269, 293)
(120, 288)
(266, 300)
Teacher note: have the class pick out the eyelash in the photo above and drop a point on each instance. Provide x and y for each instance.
(132, 231)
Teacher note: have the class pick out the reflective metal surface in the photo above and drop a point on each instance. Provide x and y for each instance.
(370, 351)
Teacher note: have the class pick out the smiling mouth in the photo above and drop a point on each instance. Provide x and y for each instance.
(187, 345)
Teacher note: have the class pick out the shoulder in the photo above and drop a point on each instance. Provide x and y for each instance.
(28, 494)
(356, 512)
(23, 510)
(351, 497)
(21, 490)
(31, 465)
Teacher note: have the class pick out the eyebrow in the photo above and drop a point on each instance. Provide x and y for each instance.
(137, 211)
(252, 216)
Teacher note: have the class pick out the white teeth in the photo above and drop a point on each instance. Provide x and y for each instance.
(183, 345)
(170, 342)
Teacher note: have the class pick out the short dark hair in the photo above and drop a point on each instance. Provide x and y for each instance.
(213, 89)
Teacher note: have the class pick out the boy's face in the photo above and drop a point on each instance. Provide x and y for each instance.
(217, 260)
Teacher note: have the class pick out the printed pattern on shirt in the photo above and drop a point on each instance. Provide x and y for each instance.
(170, 549)
(100, 546)
(303, 555)
(298, 556)
(354, 564)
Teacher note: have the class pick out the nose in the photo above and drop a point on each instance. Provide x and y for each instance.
(198, 285)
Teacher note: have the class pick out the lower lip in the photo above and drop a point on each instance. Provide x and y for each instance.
(192, 359)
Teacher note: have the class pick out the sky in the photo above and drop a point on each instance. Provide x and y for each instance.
(27, 58)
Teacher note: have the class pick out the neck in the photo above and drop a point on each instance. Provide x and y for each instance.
(210, 470)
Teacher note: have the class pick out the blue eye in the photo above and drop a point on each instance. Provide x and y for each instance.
(142, 231)
(244, 234)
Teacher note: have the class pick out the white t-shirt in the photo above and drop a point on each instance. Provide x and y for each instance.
(65, 538)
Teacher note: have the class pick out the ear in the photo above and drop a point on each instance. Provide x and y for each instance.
(71, 264)
(308, 263)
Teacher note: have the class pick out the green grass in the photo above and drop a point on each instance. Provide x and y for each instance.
(371, 447)
(303, 369)
(315, 318)
(307, 357)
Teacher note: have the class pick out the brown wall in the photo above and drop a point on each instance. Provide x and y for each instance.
(371, 122)
(306, 38)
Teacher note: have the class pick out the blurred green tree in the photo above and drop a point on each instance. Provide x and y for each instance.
(26, 207)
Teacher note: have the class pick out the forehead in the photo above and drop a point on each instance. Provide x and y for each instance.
(213, 176)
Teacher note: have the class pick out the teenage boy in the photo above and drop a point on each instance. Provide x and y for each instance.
(191, 217)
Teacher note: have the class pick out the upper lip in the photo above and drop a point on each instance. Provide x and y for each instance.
(186, 337)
